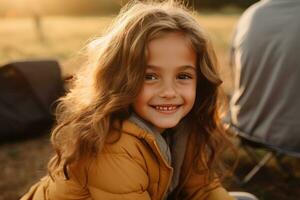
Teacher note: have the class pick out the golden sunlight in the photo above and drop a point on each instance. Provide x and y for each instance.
(12, 8)
(21, 8)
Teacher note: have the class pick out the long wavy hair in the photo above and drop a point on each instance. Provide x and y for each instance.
(105, 88)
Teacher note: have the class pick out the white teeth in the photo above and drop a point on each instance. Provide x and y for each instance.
(165, 108)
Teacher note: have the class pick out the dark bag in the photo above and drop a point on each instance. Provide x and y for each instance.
(27, 92)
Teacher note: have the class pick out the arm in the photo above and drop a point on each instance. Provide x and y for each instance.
(196, 190)
(219, 194)
(62, 189)
(111, 175)
(117, 176)
(197, 184)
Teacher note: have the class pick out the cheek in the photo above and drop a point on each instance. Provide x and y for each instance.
(190, 95)
(143, 97)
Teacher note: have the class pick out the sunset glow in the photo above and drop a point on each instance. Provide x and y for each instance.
(22, 8)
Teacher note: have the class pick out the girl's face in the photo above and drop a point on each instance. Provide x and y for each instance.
(169, 89)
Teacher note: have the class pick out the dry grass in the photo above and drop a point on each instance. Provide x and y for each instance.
(65, 36)
(23, 163)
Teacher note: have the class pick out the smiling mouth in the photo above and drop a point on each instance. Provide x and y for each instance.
(166, 108)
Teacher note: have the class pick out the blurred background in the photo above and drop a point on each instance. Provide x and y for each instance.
(55, 29)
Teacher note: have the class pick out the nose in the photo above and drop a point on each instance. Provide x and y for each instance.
(168, 90)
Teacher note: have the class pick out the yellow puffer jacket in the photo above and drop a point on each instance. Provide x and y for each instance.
(131, 168)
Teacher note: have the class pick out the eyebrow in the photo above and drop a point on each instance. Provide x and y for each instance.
(183, 67)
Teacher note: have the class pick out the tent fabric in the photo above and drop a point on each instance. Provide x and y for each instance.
(265, 105)
(27, 92)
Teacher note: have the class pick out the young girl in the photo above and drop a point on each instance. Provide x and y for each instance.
(142, 121)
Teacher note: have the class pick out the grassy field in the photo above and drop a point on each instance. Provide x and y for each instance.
(62, 38)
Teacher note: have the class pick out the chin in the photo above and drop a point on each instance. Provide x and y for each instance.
(166, 125)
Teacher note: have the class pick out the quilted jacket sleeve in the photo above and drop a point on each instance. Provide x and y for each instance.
(118, 176)
(112, 176)
(62, 189)
(198, 185)
(118, 173)
(219, 194)
(199, 188)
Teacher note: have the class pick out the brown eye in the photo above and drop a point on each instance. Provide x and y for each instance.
(184, 76)
(150, 77)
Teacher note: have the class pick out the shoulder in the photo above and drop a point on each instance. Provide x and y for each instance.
(123, 161)
(121, 168)
(132, 142)
(127, 145)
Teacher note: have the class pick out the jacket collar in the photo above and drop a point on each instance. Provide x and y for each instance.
(173, 154)
(161, 142)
